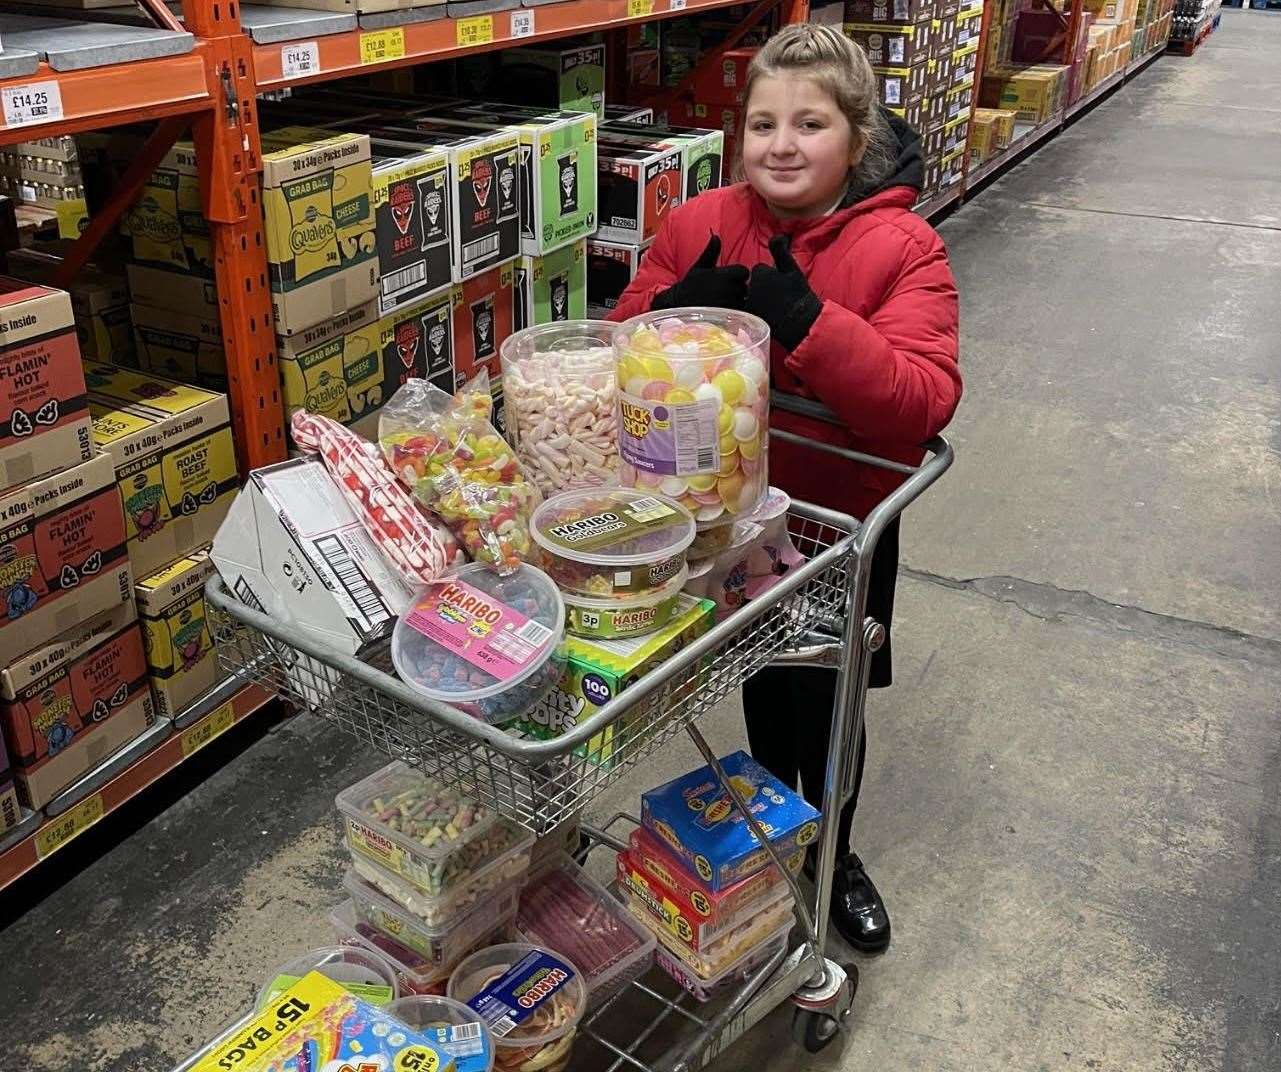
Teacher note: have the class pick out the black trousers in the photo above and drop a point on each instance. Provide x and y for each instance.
(788, 711)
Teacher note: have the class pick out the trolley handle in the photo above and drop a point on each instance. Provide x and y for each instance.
(919, 477)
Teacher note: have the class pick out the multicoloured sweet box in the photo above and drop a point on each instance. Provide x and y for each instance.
(317, 1025)
(696, 817)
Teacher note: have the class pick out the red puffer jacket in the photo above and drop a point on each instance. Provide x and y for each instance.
(882, 354)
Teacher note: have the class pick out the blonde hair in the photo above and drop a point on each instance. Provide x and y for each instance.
(841, 69)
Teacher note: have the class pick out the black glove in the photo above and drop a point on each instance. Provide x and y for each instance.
(705, 284)
(781, 296)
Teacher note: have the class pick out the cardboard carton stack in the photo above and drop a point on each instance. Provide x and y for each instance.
(46, 173)
(73, 681)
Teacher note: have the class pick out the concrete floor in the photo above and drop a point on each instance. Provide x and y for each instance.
(1072, 802)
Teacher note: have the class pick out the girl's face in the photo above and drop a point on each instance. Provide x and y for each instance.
(798, 146)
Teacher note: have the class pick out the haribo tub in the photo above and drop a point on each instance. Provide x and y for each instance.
(693, 403)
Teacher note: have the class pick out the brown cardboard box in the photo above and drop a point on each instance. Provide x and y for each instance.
(164, 288)
(1031, 93)
(900, 11)
(944, 36)
(174, 460)
(982, 142)
(99, 301)
(899, 87)
(893, 45)
(182, 347)
(69, 704)
(175, 633)
(62, 554)
(42, 387)
(1002, 121)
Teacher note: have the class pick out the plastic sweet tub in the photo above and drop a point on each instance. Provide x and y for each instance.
(569, 912)
(364, 972)
(435, 948)
(616, 619)
(504, 871)
(611, 543)
(706, 989)
(488, 643)
(694, 409)
(452, 1026)
(540, 1034)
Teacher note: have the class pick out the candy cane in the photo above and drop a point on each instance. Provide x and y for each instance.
(418, 547)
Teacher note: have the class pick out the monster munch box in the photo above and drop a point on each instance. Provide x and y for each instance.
(570, 77)
(413, 219)
(639, 185)
(610, 267)
(174, 456)
(693, 814)
(483, 317)
(175, 632)
(62, 554)
(70, 703)
(702, 150)
(321, 253)
(42, 389)
(552, 287)
(557, 172)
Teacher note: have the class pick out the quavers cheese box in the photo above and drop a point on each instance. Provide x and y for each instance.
(174, 456)
(414, 223)
(552, 287)
(557, 171)
(688, 909)
(62, 554)
(167, 223)
(175, 632)
(317, 199)
(181, 346)
(70, 703)
(598, 670)
(339, 377)
(317, 1026)
(42, 388)
(694, 815)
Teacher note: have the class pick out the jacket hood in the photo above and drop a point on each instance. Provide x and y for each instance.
(908, 168)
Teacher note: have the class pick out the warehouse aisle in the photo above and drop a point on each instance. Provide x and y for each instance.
(1072, 801)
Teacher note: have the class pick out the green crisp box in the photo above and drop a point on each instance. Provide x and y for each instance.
(598, 670)
(551, 288)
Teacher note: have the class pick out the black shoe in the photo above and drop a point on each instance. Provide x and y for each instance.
(858, 913)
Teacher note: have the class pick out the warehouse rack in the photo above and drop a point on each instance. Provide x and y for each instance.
(207, 89)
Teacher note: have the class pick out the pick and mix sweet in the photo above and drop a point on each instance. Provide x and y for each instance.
(449, 454)
(680, 361)
(561, 412)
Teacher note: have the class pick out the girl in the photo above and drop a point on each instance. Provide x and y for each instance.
(821, 243)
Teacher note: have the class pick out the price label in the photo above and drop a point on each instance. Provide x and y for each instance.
(70, 824)
(477, 30)
(212, 725)
(523, 23)
(676, 5)
(35, 102)
(300, 59)
(638, 9)
(379, 45)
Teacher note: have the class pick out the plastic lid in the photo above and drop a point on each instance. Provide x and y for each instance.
(440, 1018)
(488, 965)
(612, 527)
(698, 334)
(573, 348)
(346, 925)
(530, 619)
(351, 967)
(622, 604)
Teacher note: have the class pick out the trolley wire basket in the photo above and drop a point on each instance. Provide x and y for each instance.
(533, 782)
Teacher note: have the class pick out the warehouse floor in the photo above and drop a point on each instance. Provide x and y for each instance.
(1073, 802)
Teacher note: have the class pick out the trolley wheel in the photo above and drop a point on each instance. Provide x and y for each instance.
(816, 1028)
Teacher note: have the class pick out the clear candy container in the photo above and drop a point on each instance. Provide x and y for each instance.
(611, 543)
(616, 619)
(363, 972)
(451, 1026)
(739, 971)
(694, 409)
(485, 642)
(560, 394)
(537, 1034)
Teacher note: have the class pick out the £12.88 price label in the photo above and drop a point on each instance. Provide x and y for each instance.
(35, 102)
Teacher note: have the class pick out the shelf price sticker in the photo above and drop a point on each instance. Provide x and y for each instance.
(299, 59)
(638, 9)
(477, 30)
(70, 824)
(213, 725)
(34, 102)
(676, 5)
(523, 23)
(376, 46)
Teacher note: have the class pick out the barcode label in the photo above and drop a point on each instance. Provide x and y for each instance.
(482, 247)
(695, 432)
(463, 1040)
(535, 633)
(364, 606)
(464, 1032)
(404, 278)
(649, 509)
(504, 1026)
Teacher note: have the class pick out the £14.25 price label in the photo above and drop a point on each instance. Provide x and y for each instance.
(35, 102)
(300, 59)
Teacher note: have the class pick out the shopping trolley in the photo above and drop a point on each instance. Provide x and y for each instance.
(813, 616)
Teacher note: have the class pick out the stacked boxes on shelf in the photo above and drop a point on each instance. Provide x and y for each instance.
(10, 811)
(73, 682)
(46, 173)
(1037, 94)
